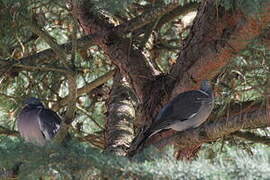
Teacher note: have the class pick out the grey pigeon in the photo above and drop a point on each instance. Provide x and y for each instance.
(187, 110)
(37, 124)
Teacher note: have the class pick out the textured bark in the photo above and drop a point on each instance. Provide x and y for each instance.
(131, 62)
(215, 38)
(119, 126)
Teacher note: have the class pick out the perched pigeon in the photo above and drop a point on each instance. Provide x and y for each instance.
(187, 110)
(37, 124)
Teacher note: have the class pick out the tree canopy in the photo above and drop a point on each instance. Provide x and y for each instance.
(108, 67)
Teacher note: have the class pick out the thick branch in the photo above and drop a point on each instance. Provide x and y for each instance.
(215, 38)
(130, 61)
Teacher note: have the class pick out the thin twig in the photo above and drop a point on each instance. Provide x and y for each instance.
(6, 131)
(144, 19)
(148, 33)
(40, 68)
(15, 98)
(87, 88)
(59, 51)
(95, 140)
(252, 137)
(74, 42)
(89, 116)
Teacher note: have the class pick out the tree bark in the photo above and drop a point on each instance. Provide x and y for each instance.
(131, 62)
(215, 38)
(119, 126)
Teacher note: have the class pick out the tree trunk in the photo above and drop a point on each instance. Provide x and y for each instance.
(119, 126)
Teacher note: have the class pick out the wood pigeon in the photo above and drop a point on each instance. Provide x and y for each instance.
(187, 110)
(37, 124)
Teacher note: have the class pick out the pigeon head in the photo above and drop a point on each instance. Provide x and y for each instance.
(206, 87)
(32, 101)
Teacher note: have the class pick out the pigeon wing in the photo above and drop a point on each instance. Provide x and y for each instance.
(49, 123)
(181, 108)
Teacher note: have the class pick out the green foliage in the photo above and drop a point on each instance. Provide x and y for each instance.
(13, 32)
(246, 78)
(50, 86)
(113, 7)
(81, 161)
(250, 7)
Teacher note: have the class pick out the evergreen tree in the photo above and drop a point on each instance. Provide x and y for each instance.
(108, 67)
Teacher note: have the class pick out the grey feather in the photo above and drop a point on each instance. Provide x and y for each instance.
(37, 124)
(49, 123)
(187, 110)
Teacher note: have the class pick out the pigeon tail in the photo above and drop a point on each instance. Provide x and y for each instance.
(139, 141)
